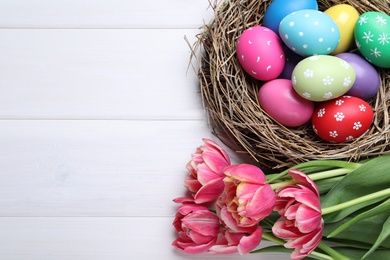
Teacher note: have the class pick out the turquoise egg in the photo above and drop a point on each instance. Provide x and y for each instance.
(309, 32)
(322, 77)
(372, 37)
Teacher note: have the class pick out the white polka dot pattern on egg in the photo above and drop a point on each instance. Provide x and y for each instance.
(309, 32)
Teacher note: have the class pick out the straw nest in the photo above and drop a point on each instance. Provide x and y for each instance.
(230, 95)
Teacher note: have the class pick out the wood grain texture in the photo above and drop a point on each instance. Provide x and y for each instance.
(99, 115)
(99, 74)
(103, 14)
(113, 238)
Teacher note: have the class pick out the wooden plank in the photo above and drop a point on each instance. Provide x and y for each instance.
(94, 168)
(97, 74)
(103, 14)
(97, 238)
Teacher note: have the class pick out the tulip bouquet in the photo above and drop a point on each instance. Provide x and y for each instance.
(321, 209)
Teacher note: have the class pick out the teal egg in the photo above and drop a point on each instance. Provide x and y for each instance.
(322, 77)
(372, 37)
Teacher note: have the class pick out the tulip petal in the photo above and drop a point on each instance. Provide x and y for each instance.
(183, 200)
(223, 249)
(210, 191)
(307, 197)
(205, 174)
(249, 243)
(262, 203)
(193, 248)
(202, 222)
(303, 179)
(307, 219)
(280, 230)
(246, 172)
(217, 147)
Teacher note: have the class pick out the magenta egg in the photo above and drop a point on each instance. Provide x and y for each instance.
(367, 81)
(280, 101)
(260, 53)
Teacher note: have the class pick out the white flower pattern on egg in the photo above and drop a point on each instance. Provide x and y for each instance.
(381, 20)
(347, 81)
(328, 80)
(362, 108)
(306, 95)
(339, 116)
(339, 102)
(308, 73)
(362, 20)
(375, 52)
(357, 125)
(368, 36)
(344, 64)
(333, 134)
(328, 95)
(384, 38)
(321, 112)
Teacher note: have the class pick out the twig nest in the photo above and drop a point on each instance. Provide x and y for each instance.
(230, 94)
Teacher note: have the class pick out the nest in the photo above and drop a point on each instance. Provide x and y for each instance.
(230, 95)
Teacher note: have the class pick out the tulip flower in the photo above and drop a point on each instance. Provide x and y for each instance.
(197, 228)
(243, 242)
(205, 178)
(246, 199)
(301, 222)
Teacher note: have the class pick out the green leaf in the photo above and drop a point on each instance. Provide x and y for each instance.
(385, 233)
(383, 207)
(355, 254)
(365, 231)
(326, 185)
(371, 177)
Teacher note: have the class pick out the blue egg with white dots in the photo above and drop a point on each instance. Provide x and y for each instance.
(309, 32)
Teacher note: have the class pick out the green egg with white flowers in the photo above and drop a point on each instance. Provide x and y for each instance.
(372, 38)
(322, 77)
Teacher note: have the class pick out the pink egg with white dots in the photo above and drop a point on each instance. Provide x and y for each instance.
(260, 53)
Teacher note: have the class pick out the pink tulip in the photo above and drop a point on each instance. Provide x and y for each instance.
(301, 222)
(246, 199)
(205, 178)
(197, 228)
(231, 242)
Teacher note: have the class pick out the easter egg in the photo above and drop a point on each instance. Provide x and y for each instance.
(345, 16)
(372, 37)
(260, 53)
(309, 32)
(292, 59)
(278, 9)
(279, 100)
(342, 119)
(367, 80)
(323, 77)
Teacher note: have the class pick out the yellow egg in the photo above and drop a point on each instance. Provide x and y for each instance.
(345, 16)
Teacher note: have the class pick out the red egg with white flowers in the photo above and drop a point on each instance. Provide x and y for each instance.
(342, 119)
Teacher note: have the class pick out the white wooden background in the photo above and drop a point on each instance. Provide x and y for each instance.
(98, 117)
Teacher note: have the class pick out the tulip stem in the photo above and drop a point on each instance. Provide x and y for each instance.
(350, 203)
(273, 238)
(332, 253)
(329, 174)
(315, 177)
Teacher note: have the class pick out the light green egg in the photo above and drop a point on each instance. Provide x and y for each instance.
(372, 37)
(322, 77)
